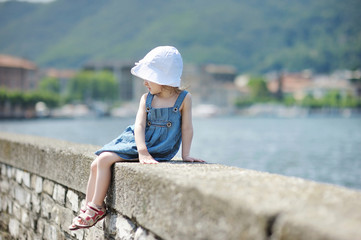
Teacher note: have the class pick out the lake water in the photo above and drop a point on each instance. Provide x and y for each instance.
(320, 149)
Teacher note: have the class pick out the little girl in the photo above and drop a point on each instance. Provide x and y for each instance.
(163, 122)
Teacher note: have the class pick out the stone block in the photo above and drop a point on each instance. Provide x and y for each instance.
(10, 171)
(140, 234)
(22, 177)
(33, 218)
(13, 185)
(59, 194)
(33, 236)
(95, 233)
(14, 228)
(40, 226)
(4, 223)
(83, 204)
(72, 201)
(50, 232)
(35, 203)
(79, 234)
(110, 224)
(25, 220)
(4, 185)
(8, 205)
(47, 204)
(125, 229)
(37, 183)
(55, 215)
(3, 169)
(66, 218)
(22, 234)
(19, 176)
(22, 196)
(101, 225)
(3, 203)
(26, 179)
(48, 187)
(16, 211)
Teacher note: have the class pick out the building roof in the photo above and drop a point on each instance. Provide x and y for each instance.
(291, 83)
(15, 62)
(223, 69)
(57, 73)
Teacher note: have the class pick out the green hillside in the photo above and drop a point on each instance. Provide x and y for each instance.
(253, 35)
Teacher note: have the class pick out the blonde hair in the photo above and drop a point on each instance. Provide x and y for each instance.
(176, 90)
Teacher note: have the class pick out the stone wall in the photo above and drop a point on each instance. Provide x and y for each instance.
(36, 204)
(43, 181)
(36, 208)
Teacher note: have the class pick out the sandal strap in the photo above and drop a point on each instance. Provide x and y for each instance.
(94, 208)
(90, 219)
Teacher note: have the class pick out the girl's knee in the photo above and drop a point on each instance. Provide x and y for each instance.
(106, 159)
(94, 165)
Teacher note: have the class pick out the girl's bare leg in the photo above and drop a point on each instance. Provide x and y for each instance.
(91, 182)
(98, 183)
(102, 178)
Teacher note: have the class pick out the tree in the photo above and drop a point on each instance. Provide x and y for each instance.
(87, 86)
(49, 84)
(259, 90)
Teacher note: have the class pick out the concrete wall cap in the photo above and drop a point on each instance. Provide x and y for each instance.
(198, 201)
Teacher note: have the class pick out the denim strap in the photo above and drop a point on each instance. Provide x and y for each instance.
(148, 103)
(180, 99)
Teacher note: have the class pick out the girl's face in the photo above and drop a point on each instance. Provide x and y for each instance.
(153, 88)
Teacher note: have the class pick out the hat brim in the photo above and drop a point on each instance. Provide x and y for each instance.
(145, 72)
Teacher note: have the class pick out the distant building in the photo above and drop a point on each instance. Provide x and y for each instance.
(299, 85)
(290, 83)
(121, 70)
(211, 84)
(322, 84)
(221, 73)
(17, 73)
(355, 80)
(63, 75)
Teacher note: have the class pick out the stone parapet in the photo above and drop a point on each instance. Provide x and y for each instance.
(43, 183)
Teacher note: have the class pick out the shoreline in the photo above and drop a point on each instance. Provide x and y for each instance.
(256, 110)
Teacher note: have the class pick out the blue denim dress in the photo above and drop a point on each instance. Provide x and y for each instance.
(163, 134)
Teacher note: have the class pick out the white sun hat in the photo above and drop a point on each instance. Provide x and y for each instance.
(162, 65)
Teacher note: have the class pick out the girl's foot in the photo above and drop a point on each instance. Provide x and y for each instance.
(90, 217)
(73, 227)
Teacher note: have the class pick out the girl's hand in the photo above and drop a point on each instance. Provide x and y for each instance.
(147, 160)
(192, 159)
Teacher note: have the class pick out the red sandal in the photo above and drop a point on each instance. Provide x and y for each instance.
(73, 227)
(89, 218)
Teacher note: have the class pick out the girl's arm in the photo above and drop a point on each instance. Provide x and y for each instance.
(139, 133)
(187, 130)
